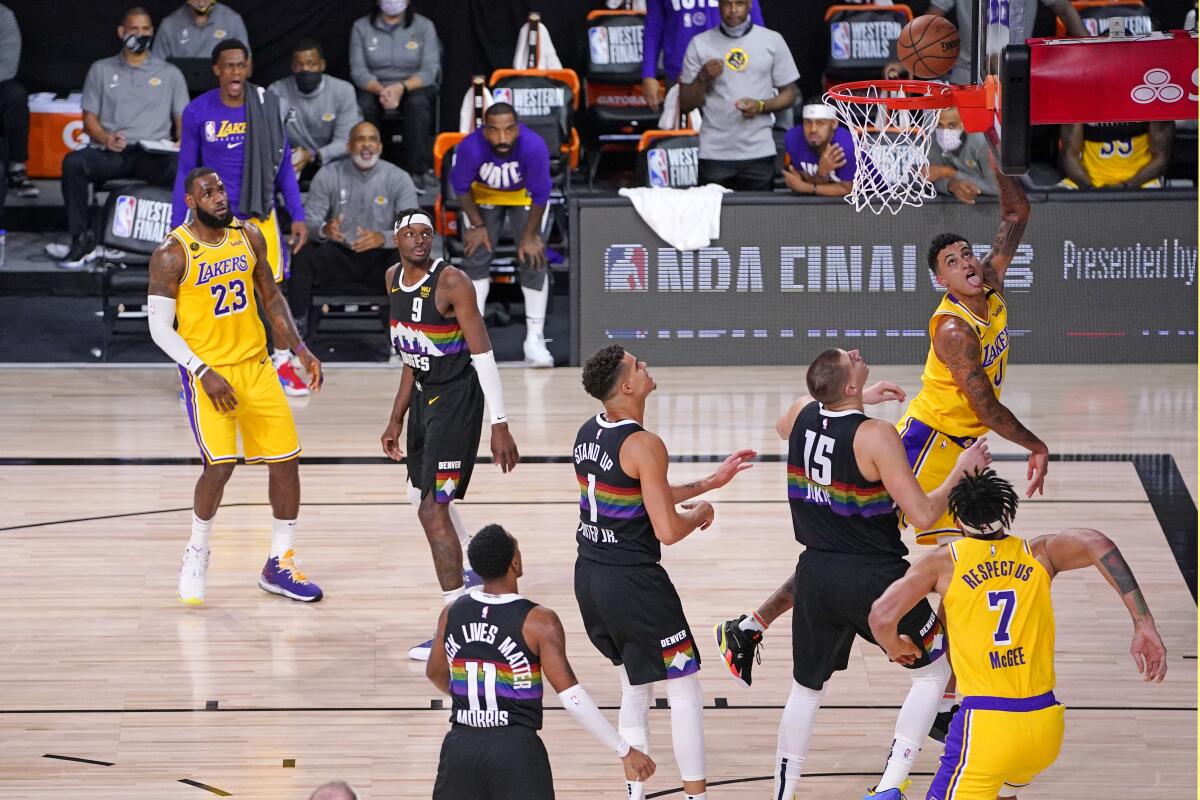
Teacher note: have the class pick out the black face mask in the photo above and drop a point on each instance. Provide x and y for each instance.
(137, 44)
(307, 82)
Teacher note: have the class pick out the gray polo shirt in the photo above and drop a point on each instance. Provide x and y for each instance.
(756, 64)
(10, 44)
(369, 199)
(320, 122)
(391, 54)
(959, 12)
(141, 102)
(970, 161)
(179, 36)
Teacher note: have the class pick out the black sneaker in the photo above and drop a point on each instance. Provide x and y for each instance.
(739, 648)
(941, 724)
(20, 185)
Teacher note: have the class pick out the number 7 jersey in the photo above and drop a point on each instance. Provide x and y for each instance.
(215, 306)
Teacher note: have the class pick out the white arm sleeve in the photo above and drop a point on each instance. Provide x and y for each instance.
(489, 381)
(162, 331)
(579, 705)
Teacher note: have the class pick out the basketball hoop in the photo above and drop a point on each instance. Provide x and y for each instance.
(892, 123)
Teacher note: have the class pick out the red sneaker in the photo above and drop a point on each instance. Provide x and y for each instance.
(293, 384)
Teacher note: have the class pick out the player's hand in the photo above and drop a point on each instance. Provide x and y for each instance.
(653, 92)
(333, 229)
(638, 765)
(312, 367)
(795, 181)
(1148, 651)
(964, 190)
(905, 653)
(748, 106)
(702, 513)
(1036, 472)
(975, 458)
(711, 70)
(367, 240)
(115, 142)
(881, 392)
(301, 158)
(504, 448)
(299, 236)
(735, 463)
(219, 391)
(831, 159)
(475, 238)
(391, 440)
(532, 252)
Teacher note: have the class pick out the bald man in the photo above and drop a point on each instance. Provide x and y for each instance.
(351, 206)
(334, 790)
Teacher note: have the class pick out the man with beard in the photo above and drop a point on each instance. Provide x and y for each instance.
(205, 276)
(350, 205)
(321, 110)
(502, 172)
(196, 27)
(822, 153)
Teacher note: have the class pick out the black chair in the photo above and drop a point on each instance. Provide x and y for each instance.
(668, 159)
(197, 74)
(862, 40)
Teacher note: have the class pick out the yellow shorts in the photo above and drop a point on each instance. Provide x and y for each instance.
(931, 455)
(987, 748)
(262, 415)
(276, 253)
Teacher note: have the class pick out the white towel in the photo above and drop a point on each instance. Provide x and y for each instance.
(669, 119)
(466, 112)
(547, 56)
(686, 219)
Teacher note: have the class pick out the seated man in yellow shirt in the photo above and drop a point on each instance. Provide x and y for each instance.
(1115, 155)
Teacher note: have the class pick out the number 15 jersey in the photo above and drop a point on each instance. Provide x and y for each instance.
(215, 306)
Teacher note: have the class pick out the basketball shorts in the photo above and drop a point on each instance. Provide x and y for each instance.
(633, 616)
(997, 741)
(262, 415)
(493, 764)
(277, 249)
(932, 455)
(834, 593)
(444, 424)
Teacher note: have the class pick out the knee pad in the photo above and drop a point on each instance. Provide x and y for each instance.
(633, 720)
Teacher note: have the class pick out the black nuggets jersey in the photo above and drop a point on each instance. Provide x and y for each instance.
(614, 527)
(431, 344)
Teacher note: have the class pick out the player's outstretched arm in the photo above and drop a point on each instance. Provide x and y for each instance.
(930, 574)
(644, 457)
(543, 632)
(461, 294)
(276, 308)
(731, 466)
(1077, 548)
(1014, 216)
(437, 668)
(958, 347)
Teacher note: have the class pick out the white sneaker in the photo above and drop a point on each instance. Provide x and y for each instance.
(57, 251)
(536, 354)
(420, 652)
(191, 575)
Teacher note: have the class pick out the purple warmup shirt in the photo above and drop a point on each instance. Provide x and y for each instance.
(521, 178)
(671, 24)
(805, 158)
(214, 135)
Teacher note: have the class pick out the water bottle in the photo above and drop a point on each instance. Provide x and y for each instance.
(3, 245)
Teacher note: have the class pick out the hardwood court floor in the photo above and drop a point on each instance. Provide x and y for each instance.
(99, 660)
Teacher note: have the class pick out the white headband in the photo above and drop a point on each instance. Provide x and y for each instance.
(418, 218)
(818, 111)
(986, 529)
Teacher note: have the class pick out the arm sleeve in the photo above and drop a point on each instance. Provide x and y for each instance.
(348, 116)
(93, 90)
(317, 205)
(189, 159)
(360, 73)
(489, 382)
(10, 45)
(652, 38)
(431, 55)
(537, 170)
(287, 185)
(691, 63)
(161, 313)
(466, 166)
(583, 710)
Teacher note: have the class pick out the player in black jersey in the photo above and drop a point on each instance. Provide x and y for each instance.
(630, 609)
(494, 649)
(449, 371)
(847, 476)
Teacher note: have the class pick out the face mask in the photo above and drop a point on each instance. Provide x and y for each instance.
(364, 162)
(740, 30)
(307, 82)
(949, 138)
(393, 8)
(204, 12)
(137, 44)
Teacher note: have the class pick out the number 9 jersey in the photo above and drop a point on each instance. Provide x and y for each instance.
(215, 306)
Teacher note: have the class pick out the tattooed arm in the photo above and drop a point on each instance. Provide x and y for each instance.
(733, 464)
(958, 347)
(1014, 216)
(1082, 547)
(276, 308)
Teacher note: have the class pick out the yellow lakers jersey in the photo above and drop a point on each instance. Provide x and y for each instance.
(941, 404)
(1112, 162)
(999, 619)
(217, 315)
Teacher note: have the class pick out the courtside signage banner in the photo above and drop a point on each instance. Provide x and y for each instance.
(1094, 281)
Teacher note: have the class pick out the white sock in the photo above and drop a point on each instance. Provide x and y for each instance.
(482, 287)
(635, 790)
(536, 301)
(201, 529)
(279, 356)
(701, 796)
(753, 622)
(795, 735)
(947, 702)
(452, 595)
(914, 720)
(283, 533)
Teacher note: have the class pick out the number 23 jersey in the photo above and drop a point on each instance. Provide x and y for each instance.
(215, 306)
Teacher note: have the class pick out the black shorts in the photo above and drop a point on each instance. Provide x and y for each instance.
(834, 593)
(633, 616)
(493, 764)
(444, 424)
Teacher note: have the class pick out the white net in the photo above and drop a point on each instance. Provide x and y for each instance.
(892, 147)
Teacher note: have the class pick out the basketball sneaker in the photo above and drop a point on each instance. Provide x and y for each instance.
(739, 648)
(293, 384)
(536, 354)
(281, 576)
(888, 794)
(191, 575)
(420, 652)
(941, 724)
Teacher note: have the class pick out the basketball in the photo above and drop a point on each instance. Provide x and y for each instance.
(928, 46)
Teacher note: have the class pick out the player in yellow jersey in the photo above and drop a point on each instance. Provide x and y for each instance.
(205, 276)
(1000, 624)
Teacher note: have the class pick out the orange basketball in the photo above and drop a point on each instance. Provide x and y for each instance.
(928, 46)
